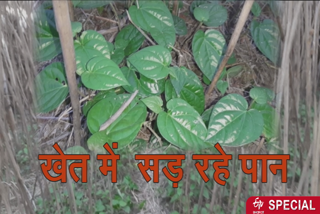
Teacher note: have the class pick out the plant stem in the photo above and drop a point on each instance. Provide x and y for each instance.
(139, 29)
(234, 39)
(119, 112)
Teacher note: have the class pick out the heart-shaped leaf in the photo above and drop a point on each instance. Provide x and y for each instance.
(270, 128)
(124, 129)
(132, 36)
(51, 87)
(100, 96)
(231, 124)
(180, 25)
(48, 37)
(151, 15)
(222, 86)
(216, 12)
(102, 74)
(206, 116)
(76, 27)
(89, 45)
(150, 87)
(261, 95)
(154, 103)
(201, 14)
(267, 37)
(182, 125)
(256, 9)
(131, 78)
(207, 50)
(234, 71)
(188, 87)
(152, 62)
(169, 92)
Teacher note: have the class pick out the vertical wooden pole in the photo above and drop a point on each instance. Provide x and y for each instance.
(61, 14)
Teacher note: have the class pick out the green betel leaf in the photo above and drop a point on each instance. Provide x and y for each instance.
(48, 38)
(222, 86)
(84, 4)
(231, 124)
(152, 62)
(151, 15)
(206, 115)
(96, 142)
(217, 14)
(100, 96)
(270, 128)
(201, 14)
(169, 92)
(51, 87)
(76, 27)
(188, 87)
(180, 25)
(154, 103)
(207, 50)
(131, 78)
(150, 87)
(266, 36)
(256, 9)
(102, 74)
(261, 95)
(182, 125)
(133, 37)
(125, 128)
(89, 45)
(76, 150)
(233, 71)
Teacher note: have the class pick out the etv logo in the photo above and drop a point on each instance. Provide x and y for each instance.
(257, 203)
(283, 205)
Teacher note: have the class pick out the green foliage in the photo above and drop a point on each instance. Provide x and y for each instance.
(48, 38)
(182, 125)
(232, 124)
(179, 25)
(154, 103)
(201, 14)
(222, 86)
(207, 50)
(51, 87)
(131, 38)
(102, 74)
(188, 87)
(256, 9)
(211, 14)
(266, 36)
(152, 62)
(174, 94)
(155, 18)
(261, 95)
(124, 129)
(90, 44)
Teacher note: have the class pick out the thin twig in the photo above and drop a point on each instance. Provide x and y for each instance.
(119, 112)
(69, 109)
(139, 29)
(110, 30)
(102, 18)
(234, 39)
(115, 14)
(146, 124)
